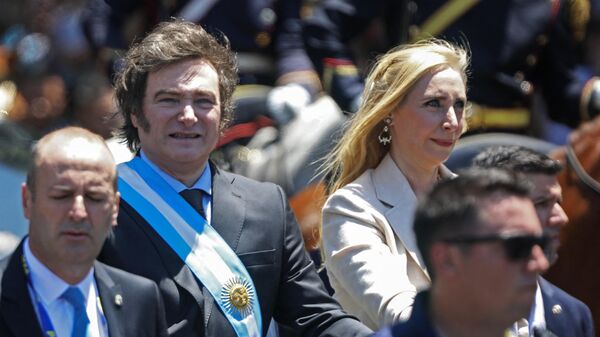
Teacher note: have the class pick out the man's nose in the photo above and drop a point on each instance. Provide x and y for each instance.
(78, 211)
(188, 115)
(538, 262)
(558, 217)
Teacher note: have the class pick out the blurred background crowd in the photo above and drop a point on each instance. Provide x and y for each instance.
(49, 78)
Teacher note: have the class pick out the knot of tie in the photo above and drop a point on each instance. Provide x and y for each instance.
(194, 198)
(80, 319)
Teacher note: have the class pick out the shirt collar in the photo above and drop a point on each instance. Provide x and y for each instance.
(537, 313)
(48, 285)
(203, 183)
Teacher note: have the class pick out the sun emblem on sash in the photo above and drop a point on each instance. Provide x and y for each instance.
(237, 295)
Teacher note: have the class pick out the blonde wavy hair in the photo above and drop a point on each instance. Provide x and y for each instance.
(392, 77)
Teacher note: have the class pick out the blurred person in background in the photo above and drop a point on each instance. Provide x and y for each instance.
(93, 104)
(42, 54)
(94, 109)
(266, 36)
(525, 57)
(553, 309)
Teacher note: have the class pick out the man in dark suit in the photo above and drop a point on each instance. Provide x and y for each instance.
(553, 308)
(482, 243)
(52, 284)
(226, 251)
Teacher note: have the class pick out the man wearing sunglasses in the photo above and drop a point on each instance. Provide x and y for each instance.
(482, 243)
(553, 309)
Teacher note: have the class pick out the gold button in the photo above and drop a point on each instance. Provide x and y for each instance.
(526, 87)
(531, 60)
(263, 39)
(542, 40)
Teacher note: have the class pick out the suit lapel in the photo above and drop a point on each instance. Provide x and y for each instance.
(111, 298)
(392, 188)
(17, 308)
(553, 311)
(228, 207)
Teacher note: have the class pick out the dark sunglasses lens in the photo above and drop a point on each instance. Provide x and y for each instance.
(519, 248)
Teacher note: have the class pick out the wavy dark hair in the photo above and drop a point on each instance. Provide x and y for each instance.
(517, 158)
(168, 43)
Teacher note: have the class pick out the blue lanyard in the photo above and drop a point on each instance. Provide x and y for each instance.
(47, 327)
(46, 323)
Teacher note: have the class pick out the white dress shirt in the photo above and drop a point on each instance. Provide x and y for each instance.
(524, 327)
(49, 288)
(537, 316)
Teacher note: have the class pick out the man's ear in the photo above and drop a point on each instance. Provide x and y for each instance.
(26, 201)
(445, 259)
(134, 120)
(116, 209)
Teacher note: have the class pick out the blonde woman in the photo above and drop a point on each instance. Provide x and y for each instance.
(413, 112)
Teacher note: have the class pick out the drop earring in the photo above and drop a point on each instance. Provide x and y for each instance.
(385, 137)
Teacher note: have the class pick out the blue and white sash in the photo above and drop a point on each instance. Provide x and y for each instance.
(199, 245)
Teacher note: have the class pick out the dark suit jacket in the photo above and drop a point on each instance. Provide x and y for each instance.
(574, 318)
(141, 312)
(419, 324)
(255, 220)
(565, 315)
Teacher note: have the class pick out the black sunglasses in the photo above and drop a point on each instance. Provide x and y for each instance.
(516, 247)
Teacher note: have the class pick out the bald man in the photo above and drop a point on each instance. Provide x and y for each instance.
(52, 284)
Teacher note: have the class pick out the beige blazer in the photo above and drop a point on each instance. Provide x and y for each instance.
(370, 249)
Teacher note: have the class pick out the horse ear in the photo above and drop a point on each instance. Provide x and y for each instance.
(559, 154)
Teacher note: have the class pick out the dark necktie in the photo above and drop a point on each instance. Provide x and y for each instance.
(194, 198)
(80, 319)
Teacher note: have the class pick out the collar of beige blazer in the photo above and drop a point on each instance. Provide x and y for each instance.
(392, 188)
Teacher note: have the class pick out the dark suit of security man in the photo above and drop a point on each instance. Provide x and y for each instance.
(71, 202)
(129, 302)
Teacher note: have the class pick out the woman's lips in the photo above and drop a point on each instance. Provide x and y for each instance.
(444, 143)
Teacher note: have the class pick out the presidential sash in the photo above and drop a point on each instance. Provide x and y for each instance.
(199, 245)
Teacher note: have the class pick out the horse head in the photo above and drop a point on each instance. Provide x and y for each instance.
(577, 271)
